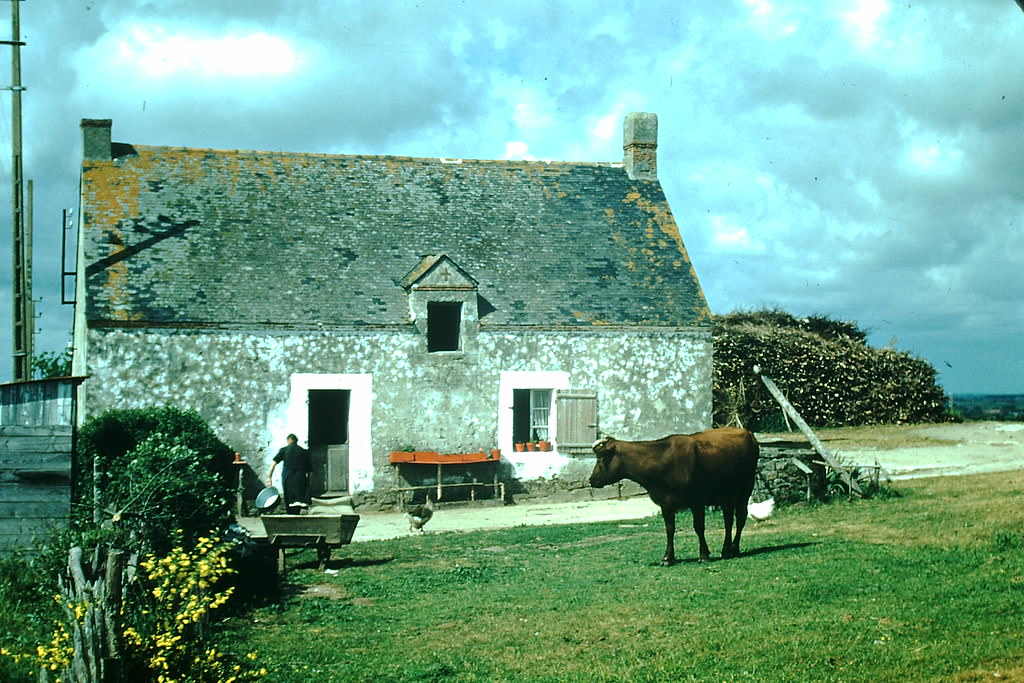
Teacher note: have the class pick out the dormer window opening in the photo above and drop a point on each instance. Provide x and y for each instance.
(444, 321)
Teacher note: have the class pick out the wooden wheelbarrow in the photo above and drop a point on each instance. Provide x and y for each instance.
(323, 532)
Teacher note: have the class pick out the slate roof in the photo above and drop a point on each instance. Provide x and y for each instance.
(180, 236)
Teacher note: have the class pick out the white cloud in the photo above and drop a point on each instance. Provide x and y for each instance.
(607, 126)
(533, 114)
(772, 21)
(461, 37)
(784, 143)
(759, 7)
(518, 151)
(935, 158)
(500, 34)
(928, 153)
(864, 21)
(158, 52)
(727, 235)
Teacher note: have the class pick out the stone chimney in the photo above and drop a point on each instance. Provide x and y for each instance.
(96, 140)
(640, 145)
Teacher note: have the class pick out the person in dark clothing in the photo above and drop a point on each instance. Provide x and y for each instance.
(295, 469)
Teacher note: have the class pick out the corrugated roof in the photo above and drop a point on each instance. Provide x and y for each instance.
(194, 236)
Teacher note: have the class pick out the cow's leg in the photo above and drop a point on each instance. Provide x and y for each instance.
(741, 520)
(669, 516)
(727, 512)
(698, 526)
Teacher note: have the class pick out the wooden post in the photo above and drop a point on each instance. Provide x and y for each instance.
(788, 409)
(96, 637)
(807, 472)
(113, 599)
(21, 270)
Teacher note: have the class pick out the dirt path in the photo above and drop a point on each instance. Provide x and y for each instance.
(970, 448)
(904, 452)
(377, 525)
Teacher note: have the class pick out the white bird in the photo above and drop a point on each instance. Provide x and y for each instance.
(419, 515)
(761, 511)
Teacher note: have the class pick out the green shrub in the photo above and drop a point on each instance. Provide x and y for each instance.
(163, 487)
(157, 470)
(824, 368)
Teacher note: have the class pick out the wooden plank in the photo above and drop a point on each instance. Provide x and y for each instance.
(23, 533)
(27, 528)
(53, 476)
(34, 430)
(36, 462)
(827, 456)
(801, 466)
(23, 492)
(37, 402)
(48, 445)
(53, 509)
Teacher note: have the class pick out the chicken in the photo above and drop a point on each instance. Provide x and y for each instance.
(419, 515)
(761, 511)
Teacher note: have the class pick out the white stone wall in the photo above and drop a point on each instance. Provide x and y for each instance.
(249, 385)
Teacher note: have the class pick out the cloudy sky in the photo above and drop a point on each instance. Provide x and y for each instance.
(861, 159)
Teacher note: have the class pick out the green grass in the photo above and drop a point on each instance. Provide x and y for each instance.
(925, 586)
(928, 585)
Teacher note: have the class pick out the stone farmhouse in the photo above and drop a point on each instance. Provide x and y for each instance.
(373, 304)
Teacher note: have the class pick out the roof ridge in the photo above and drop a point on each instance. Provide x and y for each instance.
(400, 157)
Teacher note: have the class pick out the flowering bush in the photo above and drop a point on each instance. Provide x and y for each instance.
(163, 621)
(178, 592)
(52, 657)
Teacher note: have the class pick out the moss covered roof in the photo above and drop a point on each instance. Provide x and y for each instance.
(207, 237)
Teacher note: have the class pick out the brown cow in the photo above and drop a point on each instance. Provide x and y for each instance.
(715, 467)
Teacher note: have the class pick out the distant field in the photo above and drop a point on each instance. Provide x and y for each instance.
(999, 407)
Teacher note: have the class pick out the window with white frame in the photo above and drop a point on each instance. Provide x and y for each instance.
(528, 408)
(531, 415)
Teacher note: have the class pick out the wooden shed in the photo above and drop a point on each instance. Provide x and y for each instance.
(37, 440)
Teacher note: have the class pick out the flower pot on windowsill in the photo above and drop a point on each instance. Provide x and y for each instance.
(495, 454)
(531, 446)
(520, 447)
(544, 445)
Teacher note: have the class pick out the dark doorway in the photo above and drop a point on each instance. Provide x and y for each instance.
(328, 439)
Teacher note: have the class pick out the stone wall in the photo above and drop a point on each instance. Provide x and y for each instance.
(779, 478)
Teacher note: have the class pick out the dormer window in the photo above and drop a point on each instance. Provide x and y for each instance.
(444, 306)
(444, 321)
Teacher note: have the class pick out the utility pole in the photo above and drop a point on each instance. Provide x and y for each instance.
(22, 314)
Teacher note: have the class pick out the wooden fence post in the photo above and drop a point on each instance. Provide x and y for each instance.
(99, 588)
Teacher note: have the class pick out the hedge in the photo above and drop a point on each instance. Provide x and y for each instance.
(826, 370)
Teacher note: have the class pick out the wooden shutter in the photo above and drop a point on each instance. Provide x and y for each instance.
(577, 421)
